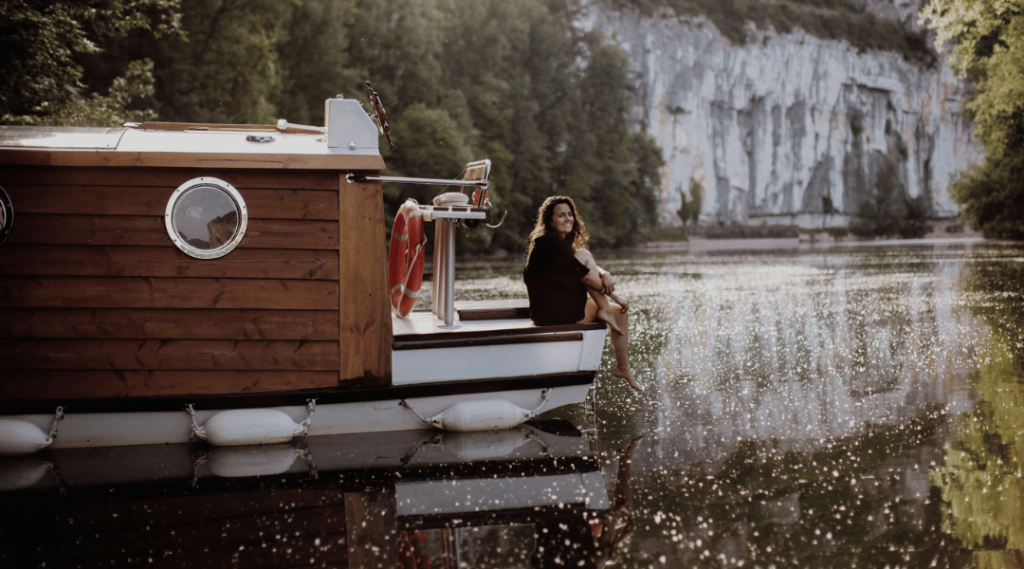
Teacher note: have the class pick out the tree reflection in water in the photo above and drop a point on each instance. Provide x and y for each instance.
(982, 481)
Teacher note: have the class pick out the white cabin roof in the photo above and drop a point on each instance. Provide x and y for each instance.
(351, 144)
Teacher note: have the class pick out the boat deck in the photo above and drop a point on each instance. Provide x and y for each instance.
(471, 316)
(490, 339)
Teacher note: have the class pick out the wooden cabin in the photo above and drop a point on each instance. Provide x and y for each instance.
(157, 268)
(96, 301)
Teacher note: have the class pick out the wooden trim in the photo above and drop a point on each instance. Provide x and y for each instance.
(213, 127)
(166, 177)
(130, 159)
(504, 309)
(81, 261)
(167, 324)
(523, 515)
(132, 387)
(41, 229)
(143, 200)
(131, 292)
(498, 338)
(59, 390)
(507, 333)
(371, 527)
(263, 355)
(364, 307)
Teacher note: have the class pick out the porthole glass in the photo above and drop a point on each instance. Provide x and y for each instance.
(6, 216)
(206, 218)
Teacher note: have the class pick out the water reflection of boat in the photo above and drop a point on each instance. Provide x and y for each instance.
(377, 500)
(242, 270)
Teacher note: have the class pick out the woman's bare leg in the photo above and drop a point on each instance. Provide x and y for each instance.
(618, 321)
(620, 345)
(600, 308)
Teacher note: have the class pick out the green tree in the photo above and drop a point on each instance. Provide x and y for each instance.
(226, 70)
(518, 82)
(313, 56)
(684, 208)
(43, 44)
(696, 199)
(600, 164)
(432, 147)
(891, 212)
(985, 41)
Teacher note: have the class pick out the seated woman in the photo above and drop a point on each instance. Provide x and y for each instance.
(561, 272)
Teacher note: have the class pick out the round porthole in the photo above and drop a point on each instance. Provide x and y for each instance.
(6, 216)
(206, 218)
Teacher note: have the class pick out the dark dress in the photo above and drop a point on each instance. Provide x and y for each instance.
(552, 275)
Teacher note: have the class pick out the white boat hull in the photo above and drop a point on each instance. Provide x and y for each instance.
(506, 359)
(78, 430)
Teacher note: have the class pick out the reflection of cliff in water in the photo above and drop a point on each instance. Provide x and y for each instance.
(801, 354)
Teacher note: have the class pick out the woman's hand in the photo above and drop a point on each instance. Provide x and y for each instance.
(620, 301)
(607, 283)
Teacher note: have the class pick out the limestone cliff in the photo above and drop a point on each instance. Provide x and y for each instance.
(775, 126)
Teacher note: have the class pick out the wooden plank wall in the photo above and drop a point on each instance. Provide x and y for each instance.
(96, 301)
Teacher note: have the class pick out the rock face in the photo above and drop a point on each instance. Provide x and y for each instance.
(783, 127)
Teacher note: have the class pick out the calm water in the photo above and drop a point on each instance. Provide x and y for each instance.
(842, 407)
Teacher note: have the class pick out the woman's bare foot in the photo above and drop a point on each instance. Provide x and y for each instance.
(625, 373)
(609, 318)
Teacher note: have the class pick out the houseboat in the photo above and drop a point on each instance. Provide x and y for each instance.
(161, 282)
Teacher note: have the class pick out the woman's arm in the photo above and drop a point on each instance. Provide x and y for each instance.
(593, 280)
(607, 283)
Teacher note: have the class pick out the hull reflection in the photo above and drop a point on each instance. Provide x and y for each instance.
(524, 497)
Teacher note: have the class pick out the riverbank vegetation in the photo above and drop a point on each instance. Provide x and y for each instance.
(827, 19)
(985, 41)
(517, 82)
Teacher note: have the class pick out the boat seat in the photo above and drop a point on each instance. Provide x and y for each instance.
(508, 309)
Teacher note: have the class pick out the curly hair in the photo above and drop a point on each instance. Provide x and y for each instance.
(578, 238)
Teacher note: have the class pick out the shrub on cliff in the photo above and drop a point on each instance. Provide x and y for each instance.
(827, 19)
(985, 39)
(906, 218)
(689, 210)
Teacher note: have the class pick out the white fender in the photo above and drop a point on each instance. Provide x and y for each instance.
(481, 415)
(252, 461)
(483, 446)
(250, 427)
(21, 473)
(21, 437)
(451, 198)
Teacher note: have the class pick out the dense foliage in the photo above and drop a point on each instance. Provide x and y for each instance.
(828, 19)
(985, 39)
(43, 44)
(514, 81)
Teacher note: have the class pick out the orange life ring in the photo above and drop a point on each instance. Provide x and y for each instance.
(405, 272)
